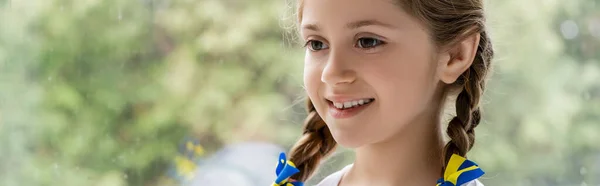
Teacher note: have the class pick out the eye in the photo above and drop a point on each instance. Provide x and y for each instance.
(368, 42)
(315, 45)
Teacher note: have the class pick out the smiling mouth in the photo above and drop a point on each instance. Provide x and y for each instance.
(351, 104)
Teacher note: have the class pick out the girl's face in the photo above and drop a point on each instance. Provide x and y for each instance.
(373, 57)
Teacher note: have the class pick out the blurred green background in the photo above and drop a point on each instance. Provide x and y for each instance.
(117, 92)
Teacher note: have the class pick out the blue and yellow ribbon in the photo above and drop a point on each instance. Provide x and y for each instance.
(459, 171)
(286, 169)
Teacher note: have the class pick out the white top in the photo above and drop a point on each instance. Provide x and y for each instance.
(335, 178)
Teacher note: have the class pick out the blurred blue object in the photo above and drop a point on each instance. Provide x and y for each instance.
(243, 164)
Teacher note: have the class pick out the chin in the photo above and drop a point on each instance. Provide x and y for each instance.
(348, 140)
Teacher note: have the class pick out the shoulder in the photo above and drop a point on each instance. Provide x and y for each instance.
(335, 178)
(473, 183)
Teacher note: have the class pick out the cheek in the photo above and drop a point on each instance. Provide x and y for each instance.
(312, 79)
(404, 72)
(404, 84)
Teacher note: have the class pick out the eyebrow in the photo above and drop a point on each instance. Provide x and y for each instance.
(353, 25)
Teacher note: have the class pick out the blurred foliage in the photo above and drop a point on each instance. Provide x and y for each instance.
(108, 92)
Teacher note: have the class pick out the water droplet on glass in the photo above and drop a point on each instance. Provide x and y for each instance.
(49, 78)
(120, 15)
(62, 8)
(569, 29)
(583, 184)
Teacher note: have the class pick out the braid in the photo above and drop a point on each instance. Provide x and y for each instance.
(316, 143)
(468, 113)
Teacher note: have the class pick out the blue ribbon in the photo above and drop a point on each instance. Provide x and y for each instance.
(459, 171)
(286, 169)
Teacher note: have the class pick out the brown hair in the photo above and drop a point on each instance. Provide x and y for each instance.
(449, 22)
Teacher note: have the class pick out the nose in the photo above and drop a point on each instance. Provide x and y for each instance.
(338, 70)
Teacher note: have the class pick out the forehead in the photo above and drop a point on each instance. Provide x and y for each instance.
(332, 14)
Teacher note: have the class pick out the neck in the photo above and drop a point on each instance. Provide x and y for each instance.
(412, 157)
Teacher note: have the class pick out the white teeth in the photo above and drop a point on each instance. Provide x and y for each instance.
(338, 105)
(347, 104)
(350, 104)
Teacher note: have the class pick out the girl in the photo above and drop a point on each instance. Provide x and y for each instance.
(377, 74)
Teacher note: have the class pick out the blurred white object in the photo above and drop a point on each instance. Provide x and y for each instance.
(244, 164)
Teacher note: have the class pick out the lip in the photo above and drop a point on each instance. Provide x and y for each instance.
(347, 113)
(341, 99)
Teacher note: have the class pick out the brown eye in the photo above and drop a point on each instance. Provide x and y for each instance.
(315, 45)
(367, 42)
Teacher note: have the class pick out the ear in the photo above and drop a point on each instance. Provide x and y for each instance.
(453, 61)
